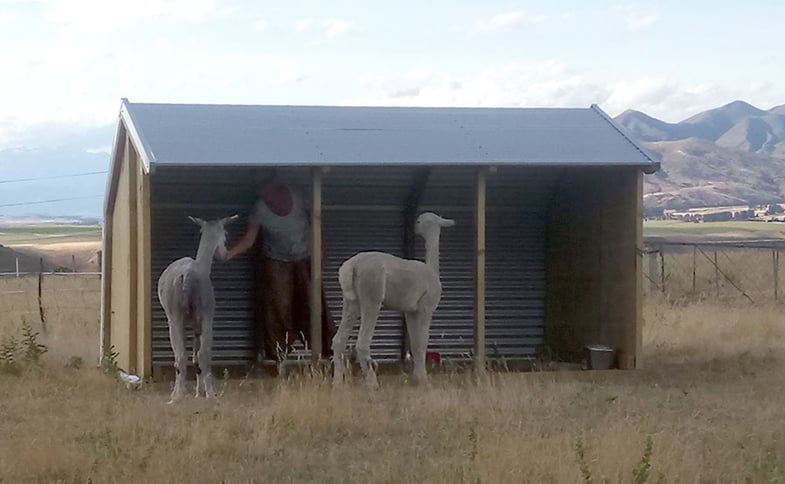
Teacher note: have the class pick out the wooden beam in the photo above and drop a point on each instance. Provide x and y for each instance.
(637, 337)
(316, 264)
(479, 268)
(412, 204)
(145, 337)
(105, 336)
(133, 223)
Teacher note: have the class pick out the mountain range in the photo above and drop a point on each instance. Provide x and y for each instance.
(730, 155)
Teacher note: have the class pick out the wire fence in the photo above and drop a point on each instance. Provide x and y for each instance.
(678, 271)
(719, 271)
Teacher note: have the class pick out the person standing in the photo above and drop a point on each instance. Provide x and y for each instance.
(279, 227)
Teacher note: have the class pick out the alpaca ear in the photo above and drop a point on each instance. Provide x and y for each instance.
(228, 220)
(196, 220)
(446, 222)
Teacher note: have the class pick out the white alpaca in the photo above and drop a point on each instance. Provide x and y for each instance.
(371, 281)
(186, 294)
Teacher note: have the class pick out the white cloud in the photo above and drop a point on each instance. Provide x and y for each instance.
(289, 75)
(637, 18)
(261, 25)
(507, 21)
(329, 27)
(550, 84)
(543, 84)
(79, 17)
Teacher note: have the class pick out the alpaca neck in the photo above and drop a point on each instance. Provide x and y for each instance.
(204, 256)
(432, 252)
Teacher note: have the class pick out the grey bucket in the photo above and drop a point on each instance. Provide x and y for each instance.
(601, 357)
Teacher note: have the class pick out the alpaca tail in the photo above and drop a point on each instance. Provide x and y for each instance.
(346, 280)
(188, 284)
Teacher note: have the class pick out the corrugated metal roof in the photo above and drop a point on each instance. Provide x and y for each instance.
(207, 134)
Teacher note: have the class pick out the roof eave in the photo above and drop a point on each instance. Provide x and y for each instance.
(340, 163)
(137, 137)
(114, 169)
(654, 166)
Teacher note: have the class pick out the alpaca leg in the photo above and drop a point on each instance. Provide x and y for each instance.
(204, 359)
(418, 324)
(177, 340)
(349, 315)
(197, 344)
(369, 315)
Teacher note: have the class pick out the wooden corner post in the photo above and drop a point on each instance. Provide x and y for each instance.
(144, 362)
(479, 268)
(316, 264)
(133, 226)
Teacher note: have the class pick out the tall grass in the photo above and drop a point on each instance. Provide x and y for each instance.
(707, 407)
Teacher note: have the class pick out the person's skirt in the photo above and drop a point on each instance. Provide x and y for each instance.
(284, 310)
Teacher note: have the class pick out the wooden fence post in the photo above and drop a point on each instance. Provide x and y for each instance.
(775, 256)
(40, 291)
(716, 276)
(17, 267)
(662, 272)
(694, 269)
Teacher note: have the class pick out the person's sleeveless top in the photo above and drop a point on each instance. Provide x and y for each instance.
(287, 237)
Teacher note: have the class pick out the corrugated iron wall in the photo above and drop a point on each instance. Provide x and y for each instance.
(517, 201)
(206, 193)
(363, 209)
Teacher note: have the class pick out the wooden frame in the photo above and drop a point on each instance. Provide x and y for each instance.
(481, 186)
(133, 221)
(144, 275)
(316, 264)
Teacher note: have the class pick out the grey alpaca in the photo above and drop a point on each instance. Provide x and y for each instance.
(371, 281)
(186, 294)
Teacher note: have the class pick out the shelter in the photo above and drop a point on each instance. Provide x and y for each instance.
(546, 252)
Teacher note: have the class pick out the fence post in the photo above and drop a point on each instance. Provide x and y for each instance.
(694, 268)
(40, 302)
(662, 272)
(17, 267)
(775, 257)
(73, 263)
(716, 276)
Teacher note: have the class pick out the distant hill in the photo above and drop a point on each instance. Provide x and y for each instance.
(733, 154)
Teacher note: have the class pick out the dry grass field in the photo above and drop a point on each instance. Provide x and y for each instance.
(710, 399)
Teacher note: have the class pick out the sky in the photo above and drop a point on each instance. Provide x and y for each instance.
(65, 64)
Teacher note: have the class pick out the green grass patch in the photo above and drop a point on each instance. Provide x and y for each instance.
(49, 233)
(670, 229)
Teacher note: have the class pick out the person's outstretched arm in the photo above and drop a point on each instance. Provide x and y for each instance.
(245, 242)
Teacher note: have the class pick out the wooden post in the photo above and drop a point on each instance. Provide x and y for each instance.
(133, 276)
(316, 265)
(73, 263)
(694, 268)
(662, 271)
(775, 254)
(17, 267)
(40, 294)
(144, 269)
(105, 330)
(479, 269)
(716, 276)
